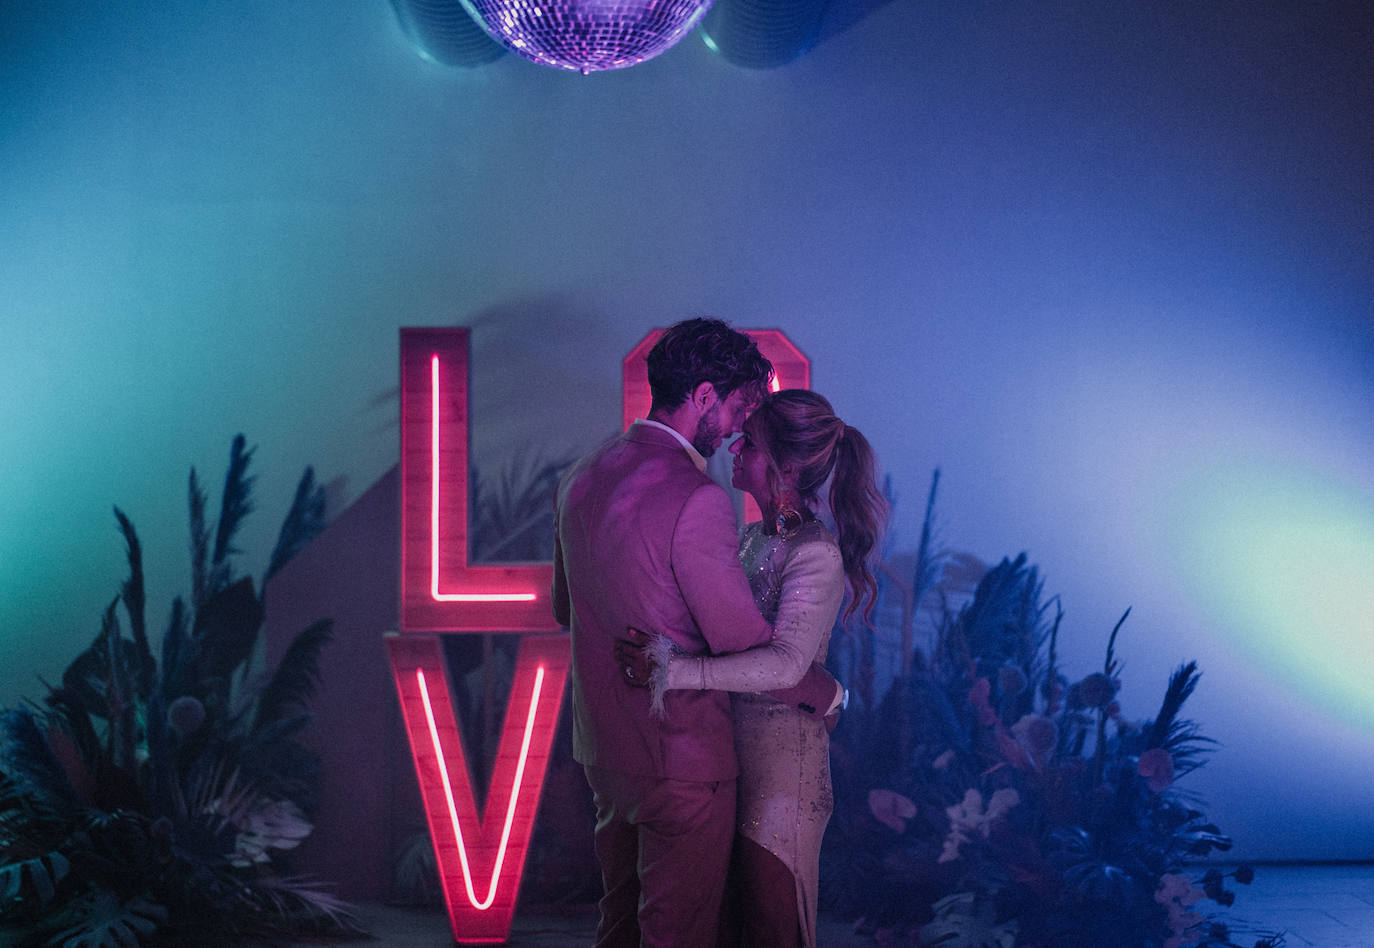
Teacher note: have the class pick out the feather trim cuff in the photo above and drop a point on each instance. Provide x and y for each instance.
(661, 652)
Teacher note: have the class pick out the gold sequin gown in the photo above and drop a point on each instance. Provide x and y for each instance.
(784, 783)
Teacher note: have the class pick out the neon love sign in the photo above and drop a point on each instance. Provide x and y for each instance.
(481, 856)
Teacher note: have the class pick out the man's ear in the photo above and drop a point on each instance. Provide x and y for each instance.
(704, 396)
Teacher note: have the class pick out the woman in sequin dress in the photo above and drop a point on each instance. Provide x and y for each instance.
(792, 445)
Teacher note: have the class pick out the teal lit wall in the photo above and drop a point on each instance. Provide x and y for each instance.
(1109, 266)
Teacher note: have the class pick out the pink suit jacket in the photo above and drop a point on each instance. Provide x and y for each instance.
(645, 539)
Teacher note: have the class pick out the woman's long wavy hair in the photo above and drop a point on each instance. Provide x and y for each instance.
(798, 429)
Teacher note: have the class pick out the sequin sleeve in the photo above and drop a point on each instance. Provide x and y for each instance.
(812, 588)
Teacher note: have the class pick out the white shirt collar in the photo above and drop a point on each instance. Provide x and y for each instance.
(692, 452)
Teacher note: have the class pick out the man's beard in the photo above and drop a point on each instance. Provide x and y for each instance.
(708, 437)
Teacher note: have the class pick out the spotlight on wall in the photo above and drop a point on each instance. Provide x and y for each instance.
(587, 35)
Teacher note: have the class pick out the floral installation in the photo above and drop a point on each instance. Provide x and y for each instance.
(989, 799)
(153, 801)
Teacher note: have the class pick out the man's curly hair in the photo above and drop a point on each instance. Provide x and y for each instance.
(705, 350)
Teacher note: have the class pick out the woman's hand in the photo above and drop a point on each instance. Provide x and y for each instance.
(635, 663)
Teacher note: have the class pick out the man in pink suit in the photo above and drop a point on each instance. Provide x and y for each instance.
(646, 539)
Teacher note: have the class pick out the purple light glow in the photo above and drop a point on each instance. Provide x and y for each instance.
(587, 35)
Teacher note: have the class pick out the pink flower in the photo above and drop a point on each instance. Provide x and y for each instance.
(891, 809)
(1174, 887)
(1157, 767)
(1176, 893)
(1012, 752)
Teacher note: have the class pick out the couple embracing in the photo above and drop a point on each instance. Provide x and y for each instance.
(693, 784)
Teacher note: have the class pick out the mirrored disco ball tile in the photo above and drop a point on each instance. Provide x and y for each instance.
(589, 35)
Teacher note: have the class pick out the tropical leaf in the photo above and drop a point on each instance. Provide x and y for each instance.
(113, 923)
(930, 554)
(1180, 737)
(293, 683)
(200, 542)
(235, 503)
(120, 662)
(1197, 838)
(296, 895)
(303, 522)
(19, 816)
(161, 775)
(86, 681)
(514, 522)
(43, 874)
(218, 790)
(134, 604)
(30, 766)
(962, 921)
(417, 873)
(179, 653)
(77, 726)
(1002, 625)
(226, 629)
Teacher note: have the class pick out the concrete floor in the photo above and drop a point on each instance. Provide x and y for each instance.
(1321, 906)
(548, 927)
(1315, 906)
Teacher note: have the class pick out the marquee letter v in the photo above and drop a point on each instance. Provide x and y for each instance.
(480, 857)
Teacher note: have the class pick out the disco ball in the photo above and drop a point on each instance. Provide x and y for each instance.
(587, 35)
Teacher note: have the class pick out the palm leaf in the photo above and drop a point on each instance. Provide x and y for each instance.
(120, 697)
(515, 521)
(297, 674)
(200, 543)
(134, 603)
(75, 721)
(280, 766)
(1051, 683)
(998, 624)
(293, 895)
(29, 761)
(178, 654)
(282, 729)
(1110, 665)
(235, 503)
(1180, 737)
(85, 682)
(226, 630)
(1181, 685)
(930, 557)
(303, 522)
(161, 764)
(20, 814)
(225, 799)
